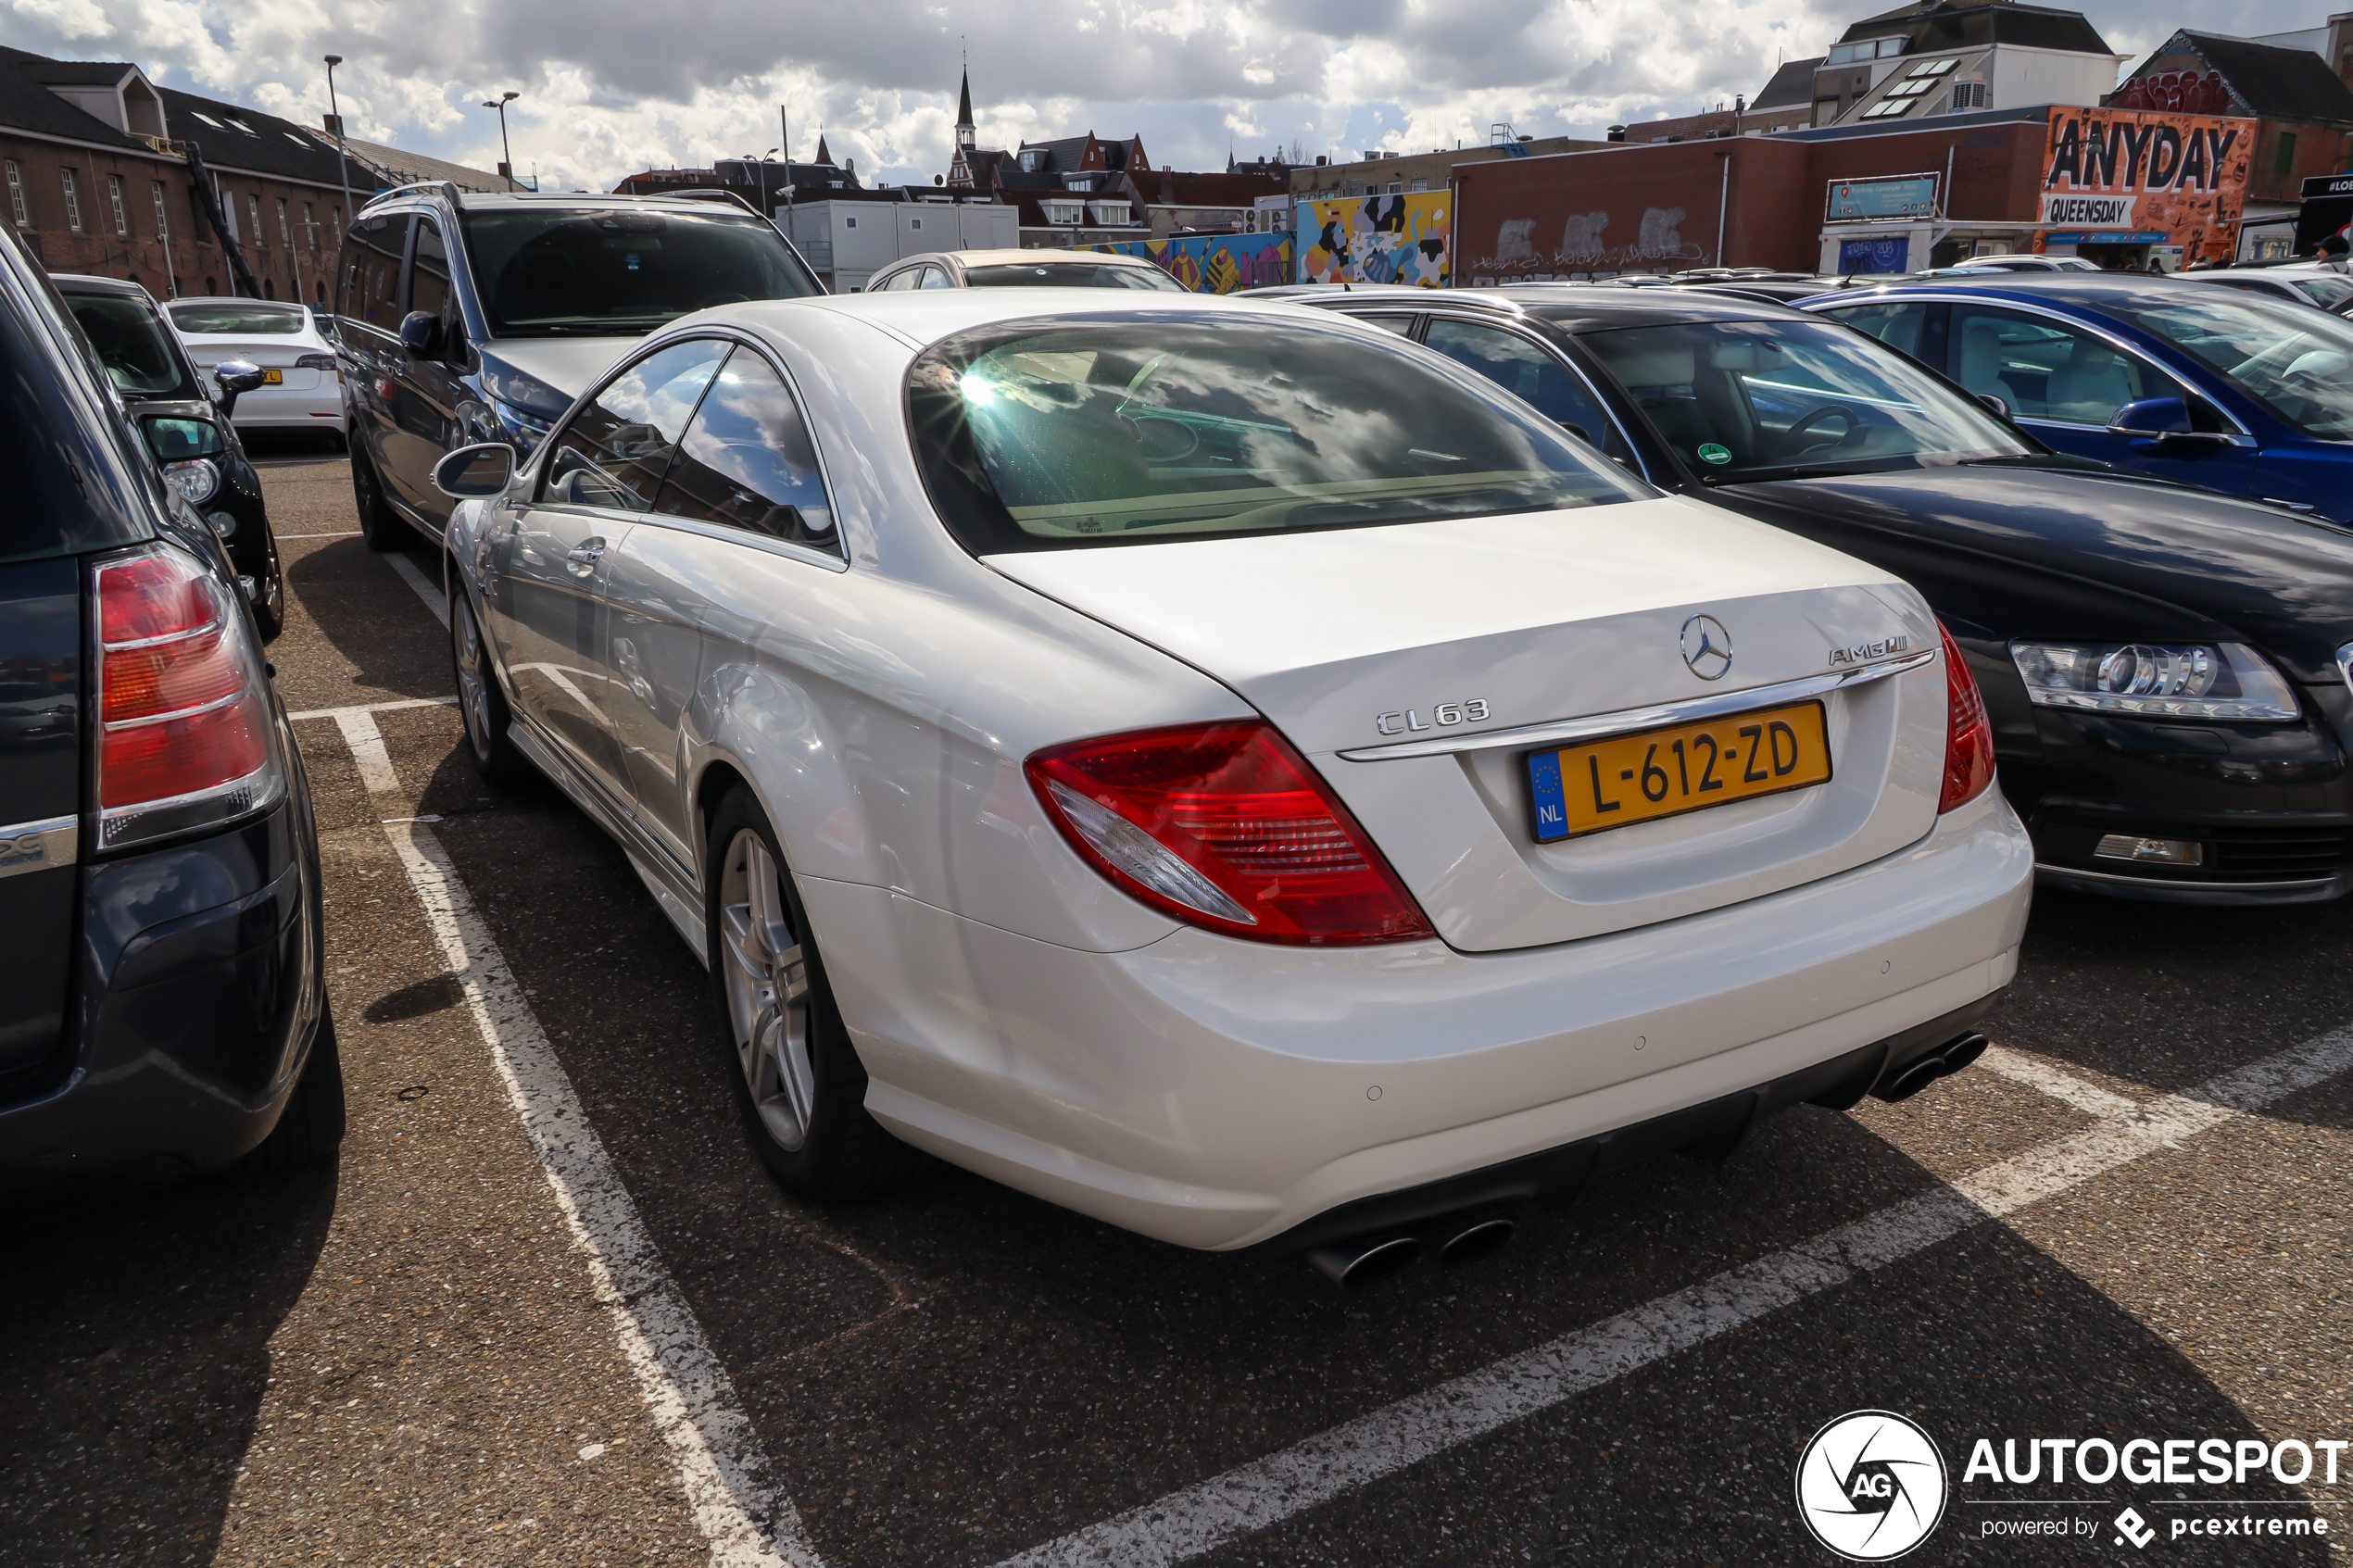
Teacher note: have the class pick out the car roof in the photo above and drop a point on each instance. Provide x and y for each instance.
(1041, 257)
(238, 299)
(2093, 291)
(85, 282)
(923, 316)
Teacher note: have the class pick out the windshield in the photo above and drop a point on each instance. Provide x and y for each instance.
(1758, 399)
(238, 318)
(1071, 275)
(140, 357)
(616, 271)
(2298, 363)
(1124, 431)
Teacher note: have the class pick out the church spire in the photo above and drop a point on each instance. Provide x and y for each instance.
(823, 155)
(964, 131)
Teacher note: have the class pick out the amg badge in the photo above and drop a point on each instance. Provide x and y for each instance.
(1445, 715)
(1864, 653)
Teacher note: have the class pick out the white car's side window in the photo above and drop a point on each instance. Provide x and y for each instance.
(617, 448)
(747, 461)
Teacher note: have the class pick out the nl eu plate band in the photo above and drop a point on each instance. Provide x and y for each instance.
(1624, 721)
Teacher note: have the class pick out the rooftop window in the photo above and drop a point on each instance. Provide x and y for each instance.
(1935, 68)
(1866, 49)
(1890, 109)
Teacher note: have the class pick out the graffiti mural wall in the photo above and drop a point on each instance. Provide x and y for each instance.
(1400, 239)
(1215, 263)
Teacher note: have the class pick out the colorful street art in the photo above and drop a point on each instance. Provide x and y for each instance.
(1399, 239)
(1214, 263)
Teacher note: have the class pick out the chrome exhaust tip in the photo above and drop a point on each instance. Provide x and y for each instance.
(1929, 1069)
(1484, 1235)
(1354, 1264)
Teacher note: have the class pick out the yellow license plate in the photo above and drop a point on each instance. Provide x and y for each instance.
(1638, 778)
(273, 378)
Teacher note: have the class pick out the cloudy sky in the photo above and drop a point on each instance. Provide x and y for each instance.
(612, 86)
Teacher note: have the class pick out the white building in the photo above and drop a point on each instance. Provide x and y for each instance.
(848, 241)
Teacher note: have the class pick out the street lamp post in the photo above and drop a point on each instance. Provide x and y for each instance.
(500, 104)
(766, 158)
(343, 160)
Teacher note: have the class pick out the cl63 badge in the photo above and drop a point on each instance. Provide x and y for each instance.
(1445, 715)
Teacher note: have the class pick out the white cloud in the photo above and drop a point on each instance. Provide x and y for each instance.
(612, 86)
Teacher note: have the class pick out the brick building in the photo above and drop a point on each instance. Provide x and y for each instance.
(107, 173)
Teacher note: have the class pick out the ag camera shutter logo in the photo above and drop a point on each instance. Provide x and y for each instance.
(1872, 1486)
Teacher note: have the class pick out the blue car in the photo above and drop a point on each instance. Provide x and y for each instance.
(2165, 376)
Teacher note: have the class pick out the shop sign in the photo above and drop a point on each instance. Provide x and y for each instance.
(2177, 178)
(1881, 198)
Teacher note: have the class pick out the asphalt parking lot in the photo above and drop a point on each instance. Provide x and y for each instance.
(547, 1307)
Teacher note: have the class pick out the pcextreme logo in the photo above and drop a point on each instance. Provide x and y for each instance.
(1872, 1486)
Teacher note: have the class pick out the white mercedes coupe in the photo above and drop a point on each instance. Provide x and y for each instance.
(1222, 768)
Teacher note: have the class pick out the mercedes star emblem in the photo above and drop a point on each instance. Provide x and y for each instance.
(1707, 648)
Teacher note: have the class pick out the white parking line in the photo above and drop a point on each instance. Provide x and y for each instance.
(1266, 1491)
(427, 590)
(692, 1400)
(367, 742)
(343, 533)
(2039, 1074)
(721, 1464)
(384, 707)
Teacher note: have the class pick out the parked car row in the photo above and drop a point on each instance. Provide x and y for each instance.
(160, 883)
(1308, 773)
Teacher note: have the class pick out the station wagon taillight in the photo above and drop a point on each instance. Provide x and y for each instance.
(184, 722)
(1225, 826)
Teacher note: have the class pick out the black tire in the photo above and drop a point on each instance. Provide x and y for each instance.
(311, 1127)
(270, 589)
(843, 1152)
(482, 701)
(379, 524)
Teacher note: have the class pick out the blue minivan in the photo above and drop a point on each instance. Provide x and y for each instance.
(2163, 375)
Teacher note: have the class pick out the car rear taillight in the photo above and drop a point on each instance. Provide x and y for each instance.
(184, 722)
(1225, 826)
(1969, 733)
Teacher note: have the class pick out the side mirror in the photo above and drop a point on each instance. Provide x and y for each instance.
(175, 441)
(2151, 416)
(2000, 406)
(2159, 422)
(420, 335)
(472, 472)
(234, 377)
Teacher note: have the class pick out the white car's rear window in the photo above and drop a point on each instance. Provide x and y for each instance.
(1126, 430)
(243, 319)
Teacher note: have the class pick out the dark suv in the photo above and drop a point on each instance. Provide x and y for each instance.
(466, 318)
(166, 1010)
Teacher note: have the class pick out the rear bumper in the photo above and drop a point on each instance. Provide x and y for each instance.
(1223, 1094)
(197, 994)
(317, 407)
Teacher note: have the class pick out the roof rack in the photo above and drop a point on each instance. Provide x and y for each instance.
(444, 187)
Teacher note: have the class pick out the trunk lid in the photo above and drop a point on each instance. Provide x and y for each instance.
(1357, 640)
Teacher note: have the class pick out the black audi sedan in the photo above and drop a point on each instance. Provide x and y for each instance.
(165, 1012)
(187, 431)
(2169, 671)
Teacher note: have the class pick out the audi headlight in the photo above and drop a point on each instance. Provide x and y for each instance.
(2158, 680)
(196, 478)
(523, 431)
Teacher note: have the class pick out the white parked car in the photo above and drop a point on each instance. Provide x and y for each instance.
(1222, 768)
(301, 389)
(2298, 283)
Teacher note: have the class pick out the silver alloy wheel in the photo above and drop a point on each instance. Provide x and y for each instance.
(767, 982)
(472, 691)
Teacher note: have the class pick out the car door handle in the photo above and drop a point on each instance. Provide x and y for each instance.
(583, 562)
(2291, 506)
